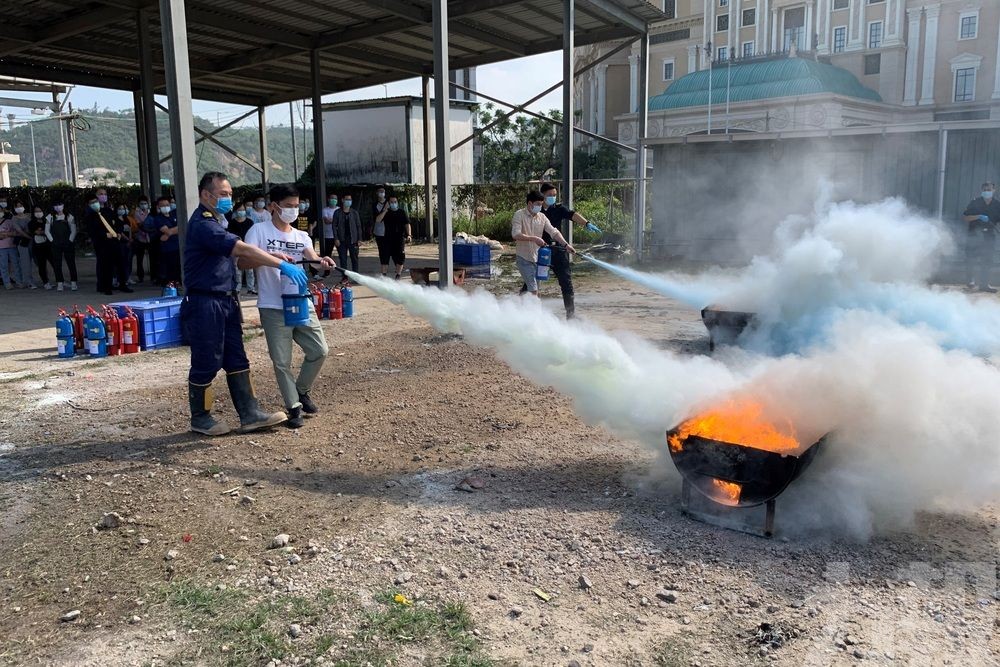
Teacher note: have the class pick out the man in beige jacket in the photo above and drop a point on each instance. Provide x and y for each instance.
(526, 229)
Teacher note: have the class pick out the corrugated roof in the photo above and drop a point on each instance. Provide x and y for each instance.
(256, 52)
(759, 80)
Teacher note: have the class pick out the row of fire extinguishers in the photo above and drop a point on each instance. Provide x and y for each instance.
(97, 335)
(332, 303)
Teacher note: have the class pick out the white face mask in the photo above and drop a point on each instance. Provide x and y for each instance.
(19, 210)
(164, 210)
(288, 215)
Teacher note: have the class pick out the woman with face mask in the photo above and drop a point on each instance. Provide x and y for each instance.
(23, 243)
(41, 249)
(240, 224)
(10, 267)
(123, 257)
(140, 240)
(60, 228)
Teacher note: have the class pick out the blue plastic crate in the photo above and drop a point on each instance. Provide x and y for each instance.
(159, 321)
(470, 254)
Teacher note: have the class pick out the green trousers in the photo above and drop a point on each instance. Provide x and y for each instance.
(279, 346)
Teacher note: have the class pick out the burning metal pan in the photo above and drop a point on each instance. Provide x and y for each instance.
(725, 326)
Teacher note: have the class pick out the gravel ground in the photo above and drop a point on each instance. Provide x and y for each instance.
(441, 510)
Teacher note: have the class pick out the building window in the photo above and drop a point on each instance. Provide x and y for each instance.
(968, 26)
(394, 166)
(723, 53)
(965, 84)
(749, 17)
(873, 64)
(671, 36)
(668, 70)
(748, 49)
(722, 22)
(795, 30)
(723, 3)
(841, 4)
(839, 39)
(874, 34)
(670, 8)
(875, 2)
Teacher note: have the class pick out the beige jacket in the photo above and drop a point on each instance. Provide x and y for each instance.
(532, 225)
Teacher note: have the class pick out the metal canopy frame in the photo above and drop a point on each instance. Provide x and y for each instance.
(298, 49)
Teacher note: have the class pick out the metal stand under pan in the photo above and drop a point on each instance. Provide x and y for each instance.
(757, 520)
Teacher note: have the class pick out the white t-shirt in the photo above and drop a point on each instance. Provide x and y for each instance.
(270, 283)
(328, 212)
(260, 216)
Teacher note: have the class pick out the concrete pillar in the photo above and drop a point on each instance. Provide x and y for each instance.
(633, 82)
(707, 31)
(602, 98)
(912, 53)
(933, 13)
(442, 138)
(319, 149)
(775, 44)
(178, 78)
(692, 58)
(733, 32)
(808, 45)
(822, 26)
(996, 77)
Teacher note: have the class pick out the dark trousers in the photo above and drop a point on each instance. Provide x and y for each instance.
(42, 253)
(139, 250)
(154, 259)
(979, 260)
(107, 260)
(343, 252)
(64, 252)
(213, 326)
(170, 266)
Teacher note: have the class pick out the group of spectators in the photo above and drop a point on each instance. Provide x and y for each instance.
(35, 239)
(137, 241)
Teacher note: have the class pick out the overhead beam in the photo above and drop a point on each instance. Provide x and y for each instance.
(28, 87)
(618, 13)
(267, 31)
(61, 29)
(504, 44)
(28, 104)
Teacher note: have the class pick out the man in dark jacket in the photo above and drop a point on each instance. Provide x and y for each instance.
(99, 220)
(347, 232)
(982, 214)
(163, 225)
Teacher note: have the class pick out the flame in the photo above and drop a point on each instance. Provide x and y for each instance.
(738, 421)
(726, 493)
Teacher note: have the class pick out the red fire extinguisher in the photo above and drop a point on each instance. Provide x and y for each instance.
(113, 327)
(317, 297)
(78, 328)
(130, 332)
(337, 309)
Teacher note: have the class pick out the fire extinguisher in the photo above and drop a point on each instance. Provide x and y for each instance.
(65, 335)
(337, 307)
(97, 335)
(113, 327)
(347, 295)
(79, 335)
(544, 262)
(327, 312)
(130, 332)
(318, 301)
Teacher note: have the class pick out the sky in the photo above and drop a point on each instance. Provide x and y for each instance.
(512, 80)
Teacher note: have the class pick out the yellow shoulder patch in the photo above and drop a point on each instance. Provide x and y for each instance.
(207, 214)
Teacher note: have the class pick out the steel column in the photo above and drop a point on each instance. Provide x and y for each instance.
(265, 173)
(640, 154)
(569, 20)
(428, 190)
(319, 155)
(140, 142)
(442, 139)
(152, 143)
(178, 77)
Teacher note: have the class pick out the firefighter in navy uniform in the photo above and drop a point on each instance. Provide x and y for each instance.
(210, 312)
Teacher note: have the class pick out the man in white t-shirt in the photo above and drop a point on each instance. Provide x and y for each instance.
(278, 237)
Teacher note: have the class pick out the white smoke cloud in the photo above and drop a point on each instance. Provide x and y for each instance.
(883, 364)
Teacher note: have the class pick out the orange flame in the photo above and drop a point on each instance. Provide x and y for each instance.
(726, 493)
(739, 421)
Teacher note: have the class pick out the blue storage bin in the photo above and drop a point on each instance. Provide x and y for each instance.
(159, 321)
(470, 254)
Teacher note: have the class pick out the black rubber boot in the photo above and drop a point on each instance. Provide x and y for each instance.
(570, 306)
(252, 417)
(295, 419)
(308, 406)
(200, 399)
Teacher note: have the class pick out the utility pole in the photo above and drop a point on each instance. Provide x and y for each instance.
(34, 159)
(71, 128)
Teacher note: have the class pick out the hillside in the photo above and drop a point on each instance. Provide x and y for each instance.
(110, 143)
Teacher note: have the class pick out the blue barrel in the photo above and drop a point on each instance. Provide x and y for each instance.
(96, 333)
(348, 295)
(65, 343)
(544, 262)
(297, 309)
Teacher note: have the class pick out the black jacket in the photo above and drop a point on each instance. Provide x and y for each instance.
(978, 206)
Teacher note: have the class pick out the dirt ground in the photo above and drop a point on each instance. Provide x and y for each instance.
(568, 546)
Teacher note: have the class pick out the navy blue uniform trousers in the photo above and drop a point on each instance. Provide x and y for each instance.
(214, 329)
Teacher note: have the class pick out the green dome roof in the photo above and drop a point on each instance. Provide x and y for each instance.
(761, 80)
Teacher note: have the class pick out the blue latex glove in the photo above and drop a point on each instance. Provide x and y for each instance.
(984, 218)
(593, 228)
(294, 273)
